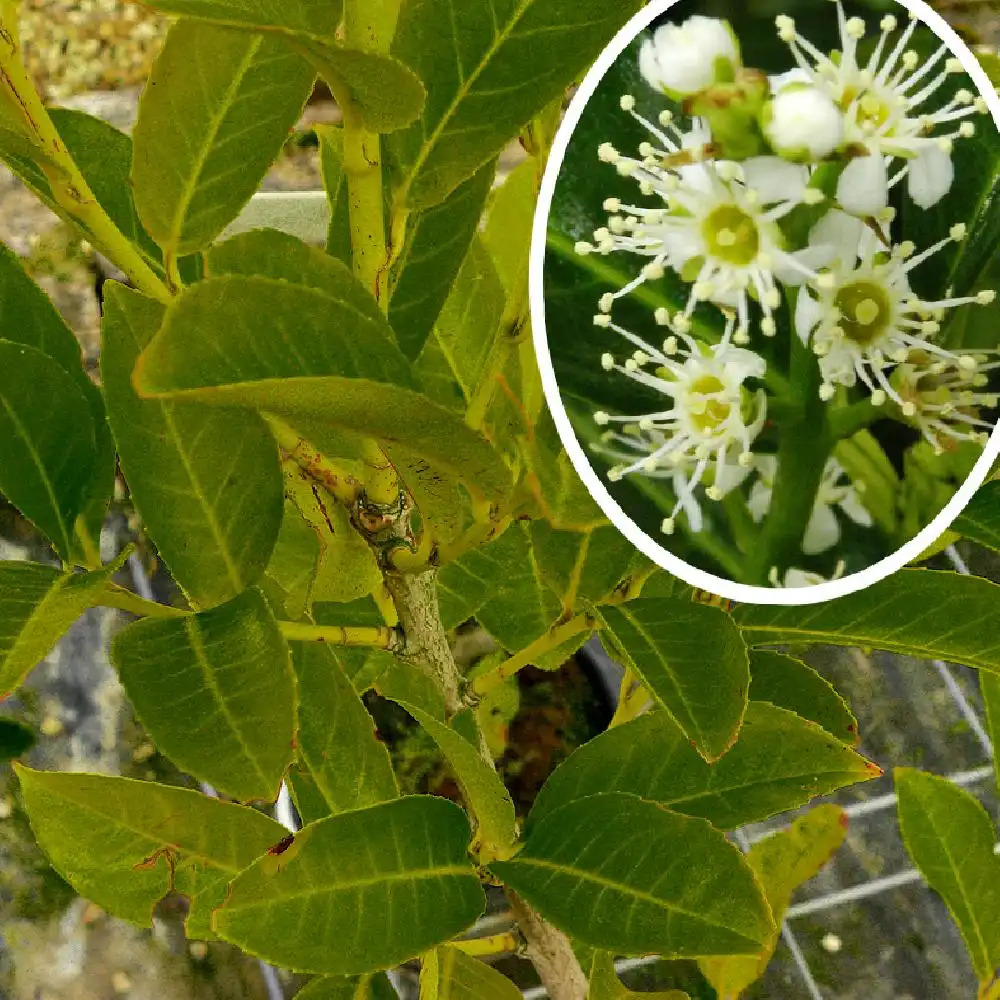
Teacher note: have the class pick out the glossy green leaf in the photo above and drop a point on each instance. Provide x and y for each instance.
(190, 469)
(989, 687)
(789, 683)
(37, 605)
(336, 737)
(604, 983)
(438, 241)
(362, 666)
(230, 341)
(298, 17)
(507, 234)
(486, 76)
(124, 844)
(410, 888)
(630, 876)
(331, 150)
(917, 612)
(485, 793)
(779, 763)
(692, 660)
(781, 862)
(213, 117)
(216, 693)
(449, 974)
(48, 451)
(288, 579)
(952, 840)
(15, 739)
(376, 987)
(980, 521)
(384, 93)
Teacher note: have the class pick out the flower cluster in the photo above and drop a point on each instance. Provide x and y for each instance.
(788, 235)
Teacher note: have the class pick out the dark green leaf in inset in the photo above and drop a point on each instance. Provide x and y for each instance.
(434, 251)
(376, 987)
(375, 886)
(15, 739)
(449, 974)
(124, 843)
(980, 521)
(486, 76)
(779, 763)
(299, 17)
(337, 743)
(632, 877)
(782, 862)
(789, 683)
(216, 692)
(692, 660)
(331, 151)
(952, 840)
(207, 483)
(205, 137)
(37, 605)
(383, 93)
(917, 612)
(302, 351)
(47, 441)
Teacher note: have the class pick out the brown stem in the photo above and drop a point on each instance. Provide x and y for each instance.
(550, 952)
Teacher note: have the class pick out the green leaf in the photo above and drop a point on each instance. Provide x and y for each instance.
(449, 974)
(336, 736)
(980, 521)
(411, 888)
(47, 442)
(789, 683)
(781, 862)
(37, 605)
(952, 840)
(632, 877)
(213, 117)
(605, 985)
(124, 844)
(779, 763)
(331, 152)
(216, 693)
(488, 800)
(362, 666)
(230, 341)
(865, 462)
(298, 17)
(15, 739)
(486, 76)
(376, 987)
(207, 483)
(989, 687)
(918, 612)
(384, 93)
(692, 660)
(431, 259)
(507, 235)
(288, 578)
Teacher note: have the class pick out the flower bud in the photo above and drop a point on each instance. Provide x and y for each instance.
(803, 124)
(685, 59)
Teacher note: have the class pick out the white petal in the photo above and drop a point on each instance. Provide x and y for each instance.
(782, 80)
(864, 186)
(931, 175)
(795, 578)
(840, 232)
(852, 506)
(808, 313)
(759, 502)
(775, 179)
(822, 532)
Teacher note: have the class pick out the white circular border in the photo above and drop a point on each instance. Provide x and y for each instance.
(691, 574)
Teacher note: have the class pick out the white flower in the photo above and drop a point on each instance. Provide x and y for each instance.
(716, 223)
(803, 124)
(685, 59)
(705, 432)
(823, 530)
(884, 103)
(862, 317)
(795, 578)
(944, 400)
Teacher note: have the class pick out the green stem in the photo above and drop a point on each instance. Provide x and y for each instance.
(125, 600)
(848, 420)
(339, 483)
(377, 636)
(804, 446)
(495, 944)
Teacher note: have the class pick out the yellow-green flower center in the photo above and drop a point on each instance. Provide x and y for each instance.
(732, 235)
(865, 311)
(716, 411)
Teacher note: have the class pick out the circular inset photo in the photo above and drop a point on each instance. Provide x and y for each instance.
(764, 281)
